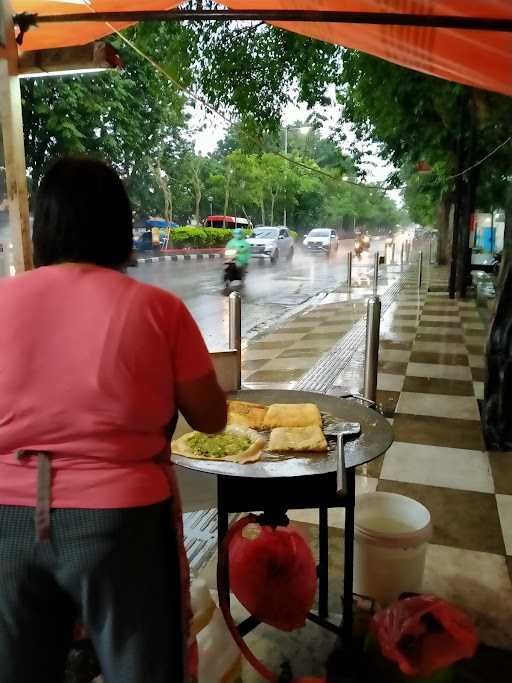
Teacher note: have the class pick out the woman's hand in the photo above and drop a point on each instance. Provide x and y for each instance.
(202, 403)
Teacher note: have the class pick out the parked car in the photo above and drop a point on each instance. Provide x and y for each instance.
(321, 240)
(271, 243)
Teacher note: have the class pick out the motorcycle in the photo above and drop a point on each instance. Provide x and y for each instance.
(233, 273)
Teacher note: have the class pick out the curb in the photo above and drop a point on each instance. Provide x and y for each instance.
(178, 257)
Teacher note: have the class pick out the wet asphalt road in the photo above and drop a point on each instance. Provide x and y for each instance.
(270, 290)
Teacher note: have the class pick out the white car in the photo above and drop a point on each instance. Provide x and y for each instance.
(321, 240)
(271, 243)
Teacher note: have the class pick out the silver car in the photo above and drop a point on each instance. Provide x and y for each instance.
(321, 240)
(271, 243)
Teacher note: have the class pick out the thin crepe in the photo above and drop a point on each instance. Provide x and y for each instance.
(250, 454)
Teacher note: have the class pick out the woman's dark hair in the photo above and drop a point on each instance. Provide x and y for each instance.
(82, 215)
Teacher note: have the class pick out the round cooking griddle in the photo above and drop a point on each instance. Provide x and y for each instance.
(376, 437)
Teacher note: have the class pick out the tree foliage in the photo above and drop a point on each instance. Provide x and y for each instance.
(137, 119)
(134, 118)
(263, 185)
(416, 117)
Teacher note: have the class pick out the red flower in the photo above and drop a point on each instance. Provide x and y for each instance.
(423, 634)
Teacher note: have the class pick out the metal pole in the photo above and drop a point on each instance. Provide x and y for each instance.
(402, 255)
(349, 269)
(376, 273)
(235, 331)
(286, 154)
(11, 135)
(393, 254)
(420, 269)
(371, 353)
(470, 23)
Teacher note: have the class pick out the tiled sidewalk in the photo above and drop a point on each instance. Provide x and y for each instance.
(285, 355)
(431, 373)
(280, 357)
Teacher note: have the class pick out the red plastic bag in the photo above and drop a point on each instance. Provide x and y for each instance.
(273, 574)
(423, 634)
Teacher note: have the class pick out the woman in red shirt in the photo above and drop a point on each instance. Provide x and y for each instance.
(93, 369)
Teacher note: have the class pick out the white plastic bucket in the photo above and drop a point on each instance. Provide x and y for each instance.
(391, 537)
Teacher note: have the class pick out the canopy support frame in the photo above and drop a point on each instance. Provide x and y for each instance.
(11, 119)
(313, 16)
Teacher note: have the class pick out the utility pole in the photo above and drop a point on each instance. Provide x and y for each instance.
(468, 198)
(286, 154)
(457, 242)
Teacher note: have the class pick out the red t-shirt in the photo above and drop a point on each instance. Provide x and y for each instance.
(88, 363)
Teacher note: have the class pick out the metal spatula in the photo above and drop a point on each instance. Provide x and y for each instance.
(340, 430)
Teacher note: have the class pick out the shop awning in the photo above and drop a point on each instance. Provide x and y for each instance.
(65, 34)
(481, 58)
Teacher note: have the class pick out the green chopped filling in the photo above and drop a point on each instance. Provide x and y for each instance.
(218, 445)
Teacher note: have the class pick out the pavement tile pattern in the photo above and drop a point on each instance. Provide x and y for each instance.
(431, 373)
(299, 344)
(285, 355)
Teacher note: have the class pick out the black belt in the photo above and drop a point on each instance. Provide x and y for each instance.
(44, 489)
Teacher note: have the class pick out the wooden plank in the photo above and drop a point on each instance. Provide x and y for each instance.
(14, 148)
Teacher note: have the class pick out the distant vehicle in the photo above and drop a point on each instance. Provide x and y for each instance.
(227, 222)
(420, 232)
(321, 240)
(271, 243)
(365, 241)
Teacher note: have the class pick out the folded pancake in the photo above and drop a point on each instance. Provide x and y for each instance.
(246, 414)
(292, 415)
(297, 439)
(235, 444)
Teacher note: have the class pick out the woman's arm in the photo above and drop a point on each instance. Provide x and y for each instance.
(202, 403)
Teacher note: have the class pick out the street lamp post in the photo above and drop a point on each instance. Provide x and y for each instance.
(210, 199)
(304, 131)
(286, 154)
